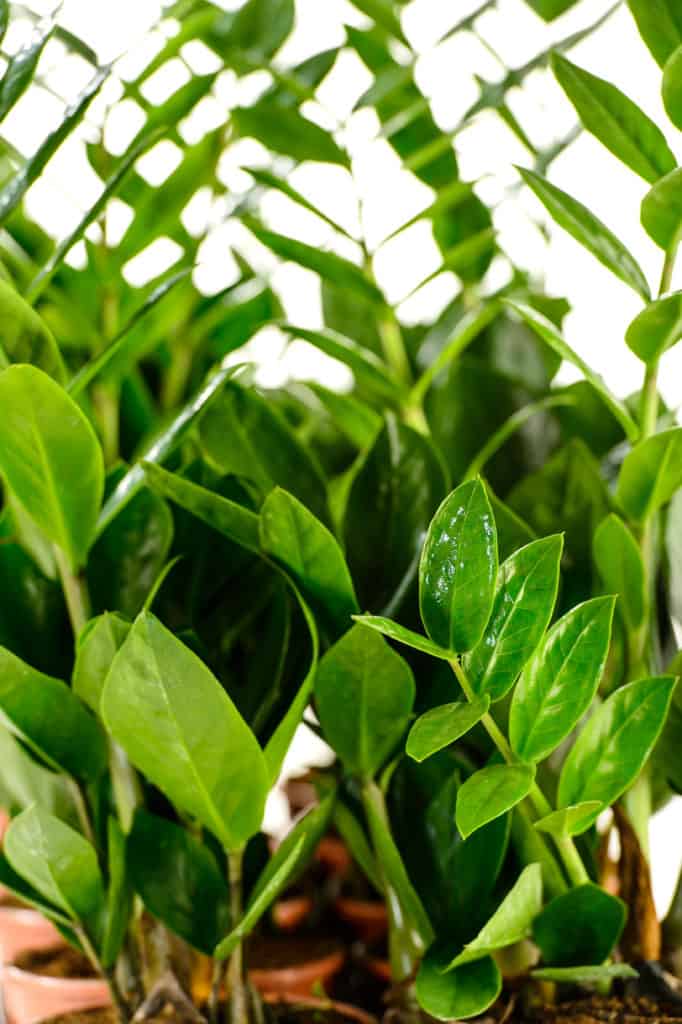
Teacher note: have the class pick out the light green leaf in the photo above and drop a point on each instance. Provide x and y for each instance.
(441, 726)
(367, 368)
(570, 821)
(20, 71)
(588, 975)
(656, 329)
(650, 474)
(458, 569)
(179, 728)
(395, 631)
(660, 26)
(587, 229)
(672, 87)
(95, 651)
(559, 684)
(661, 211)
(465, 992)
(619, 561)
(490, 792)
(284, 130)
(24, 338)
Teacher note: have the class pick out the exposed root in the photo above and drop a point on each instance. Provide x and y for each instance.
(167, 992)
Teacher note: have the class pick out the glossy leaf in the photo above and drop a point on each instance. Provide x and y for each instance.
(619, 561)
(57, 861)
(50, 720)
(661, 211)
(295, 539)
(97, 645)
(20, 71)
(51, 459)
(364, 693)
(284, 130)
(178, 880)
(25, 337)
(600, 975)
(179, 727)
(395, 631)
(441, 726)
(587, 229)
(660, 26)
(650, 474)
(580, 927)
(464, 992)
(613, 747)
(656, 329)
(458, 569)
(559, 683)
(570, 821)
(511, 922)
(615, 120)
(490, 792)
(524, 601)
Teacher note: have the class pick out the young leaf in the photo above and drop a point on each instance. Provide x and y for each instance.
(511, 922)
(587, 975)
(404, 636)
(25, 338)
(656, 329)
(284, 130)
(558, 685)
(660, 26)
(569, 821)
(441, 726)
(57, 861)
(580, 927)
(464, 992)
(650, 474)
(179, 881)
(50, 720)
(619, 561)
(95, 651)
(524, 601)
(613, 747)
(490, 792)
(458, 569)
(295, 539)
(364, 693)
(51, 459)
(661, 211)
(672, 88)
(587, 229)
(179, 727)
(615, 120)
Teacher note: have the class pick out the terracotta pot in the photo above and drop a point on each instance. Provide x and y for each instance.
(23, 930)
(298, 979)
(368, 918)
(30, 998)
(288, 914)
(333, 855)
(381, 969)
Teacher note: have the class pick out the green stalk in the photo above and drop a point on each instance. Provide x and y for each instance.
(575, 869)
(238, 1011)
(119, 1003)
(75, 593)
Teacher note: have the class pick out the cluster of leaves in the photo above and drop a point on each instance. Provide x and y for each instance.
(530, 528)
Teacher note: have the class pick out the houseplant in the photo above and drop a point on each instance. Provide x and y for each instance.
(212, 597)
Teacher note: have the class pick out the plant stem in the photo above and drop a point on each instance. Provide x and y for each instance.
(575, 869)
(75, 593)
(120, 1005)
(394, 346)
(82, 811)
(238, 1003)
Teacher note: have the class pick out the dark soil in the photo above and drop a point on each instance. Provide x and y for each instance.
(609, 1010)
(266, 952)
(64, 962)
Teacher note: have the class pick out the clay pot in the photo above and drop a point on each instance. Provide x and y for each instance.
(298, 979)
(333, 855)
(30, 998)
(289, 914)
(368, 918)
(23, 930)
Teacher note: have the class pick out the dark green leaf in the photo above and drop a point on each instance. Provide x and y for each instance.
(661, 211)
(559, 684)
(458, 569)
(397, 632)
(650, 474)
(660, 26)
(580, 927)
(259, 26)
(283, 130)
(95, 651)
(179, 727)
(613, 747)
(354, 418)
(490, 792)
(441, 726)
(524, 601)
(569, 821)
(619, 561)
(25, 338)
(465, 992)
(364, 693)
(589, 231)
(615, 120)
(551, 9)
(656, 329)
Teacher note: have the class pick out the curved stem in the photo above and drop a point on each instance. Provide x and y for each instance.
(75, 593)
(238, 1001)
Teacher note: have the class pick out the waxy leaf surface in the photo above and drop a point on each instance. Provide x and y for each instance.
(490, 792)
(441, 726)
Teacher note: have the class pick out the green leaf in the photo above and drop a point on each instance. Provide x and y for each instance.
(178, 880)
(587, 229)
(367, 368)
(660, 26)
(656, 329)
(570, 821)
(490, 792)
(404, 636)
(661, 211)
(671, 87)
(291, 857)
(57, 861)
(284, 130)
(587, 975)
(580, 927)
(619, 561)
(95, 651)
(50, 720)
(25, 337)
(559, 684)
(511, 922)
(524, 601)
(20, 71)
(295, 539)
(119, 895)
(616, 742)
(458, 569)
(332, 268)
(354, 418)
(259, 26)
(615, 120)
(465, 992)
(441, 726)
(243, 434)
(228, 517)
(551, 9)
(364, 693)
(180, 729)
(28, 895)
(353, 835)
(384, 14)
(51, 459)
(546, 330)
(13, 192)
(267, 179)
(650, 474)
